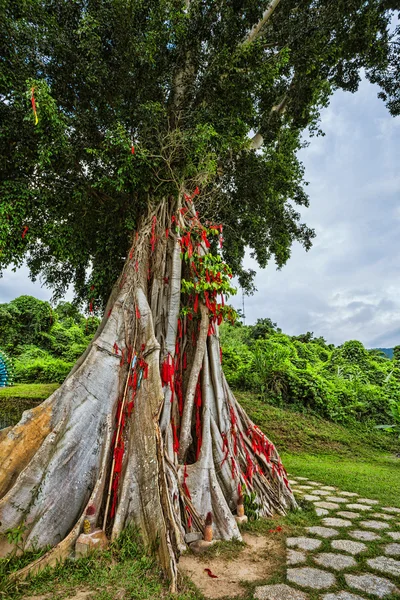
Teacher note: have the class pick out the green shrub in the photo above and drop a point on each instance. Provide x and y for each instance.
(38, 366)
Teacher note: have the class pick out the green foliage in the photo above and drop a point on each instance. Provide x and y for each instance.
(183, 87)
(44, 342)
(346, 384)
(251, 506)
(395, 414)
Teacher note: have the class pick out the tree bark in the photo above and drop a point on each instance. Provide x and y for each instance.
(185, 446)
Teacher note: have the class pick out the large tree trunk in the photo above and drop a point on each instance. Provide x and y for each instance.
(145, 428)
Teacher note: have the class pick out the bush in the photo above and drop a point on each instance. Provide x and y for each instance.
(35, 365)
(346, 384)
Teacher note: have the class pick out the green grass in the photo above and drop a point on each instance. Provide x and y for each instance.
(378, 478)
(358, 460)
(295, 432)
(29, 391)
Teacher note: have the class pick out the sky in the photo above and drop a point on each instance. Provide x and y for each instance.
(348, 285)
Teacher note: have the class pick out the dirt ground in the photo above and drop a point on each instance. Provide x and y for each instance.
(257, 561)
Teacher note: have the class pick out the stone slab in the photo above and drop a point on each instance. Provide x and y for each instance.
(390, 566)
(347, 514)
(392, 550)
(320, 512)
(86, 542)
(391, 509)
(295, 557)
(324, 532)
(337, 499)
(279, 591)
(395, 535)
(341, 596)
(381, 516)
(359, 506)
(311, 498)
(371, 584)
(349, 546)
(302, 478)
(324, 493)
(366, 536)
(329, 505)
(304, 543)
(313, 483)
(193, 536)
(315, 579)
(374, 524)
(328, 487)
(292, 482)
(334, 522)
(338, 562)
(367, 501)
(305, 487)
(349, 494)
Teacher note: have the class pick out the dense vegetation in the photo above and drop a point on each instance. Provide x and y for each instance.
(44, 342)
(345, 384)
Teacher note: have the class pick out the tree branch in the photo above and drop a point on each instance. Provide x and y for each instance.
(258, 140)
(256, 29)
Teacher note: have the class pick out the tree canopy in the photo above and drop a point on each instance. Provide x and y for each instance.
(109, 106)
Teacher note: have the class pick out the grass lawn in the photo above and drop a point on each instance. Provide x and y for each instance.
(32, 391)
(356, 460)
(378, 479)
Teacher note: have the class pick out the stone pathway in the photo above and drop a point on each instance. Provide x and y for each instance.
(356, 544)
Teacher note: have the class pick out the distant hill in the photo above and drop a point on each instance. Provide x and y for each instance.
(387, 351)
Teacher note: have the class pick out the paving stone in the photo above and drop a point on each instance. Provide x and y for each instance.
(324, 532)
(313, 483)
(333, 522)
(324, 504)
(312, 498)
(321, 512)
(349, 546)
(384, 564)
(305, 487)
(359, 506)
(279, 591)
(328, 487)
(382, 516)
(348, 514)
(391, 509)
(312, 578)
(292, 482)
(324, 493)
(294, 557)
(392, 549)
(337, 499)
(367, 501)
(302, 478)
(395, 535)
(341, 596)
(371, 584)
(374, 524)
(349, 494)
(302, 542)
(367, 536)
(338, 562)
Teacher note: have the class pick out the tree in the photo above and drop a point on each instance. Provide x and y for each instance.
(131, 132)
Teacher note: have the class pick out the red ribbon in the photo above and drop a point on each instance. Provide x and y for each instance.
(25, 231)
(211, 574)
